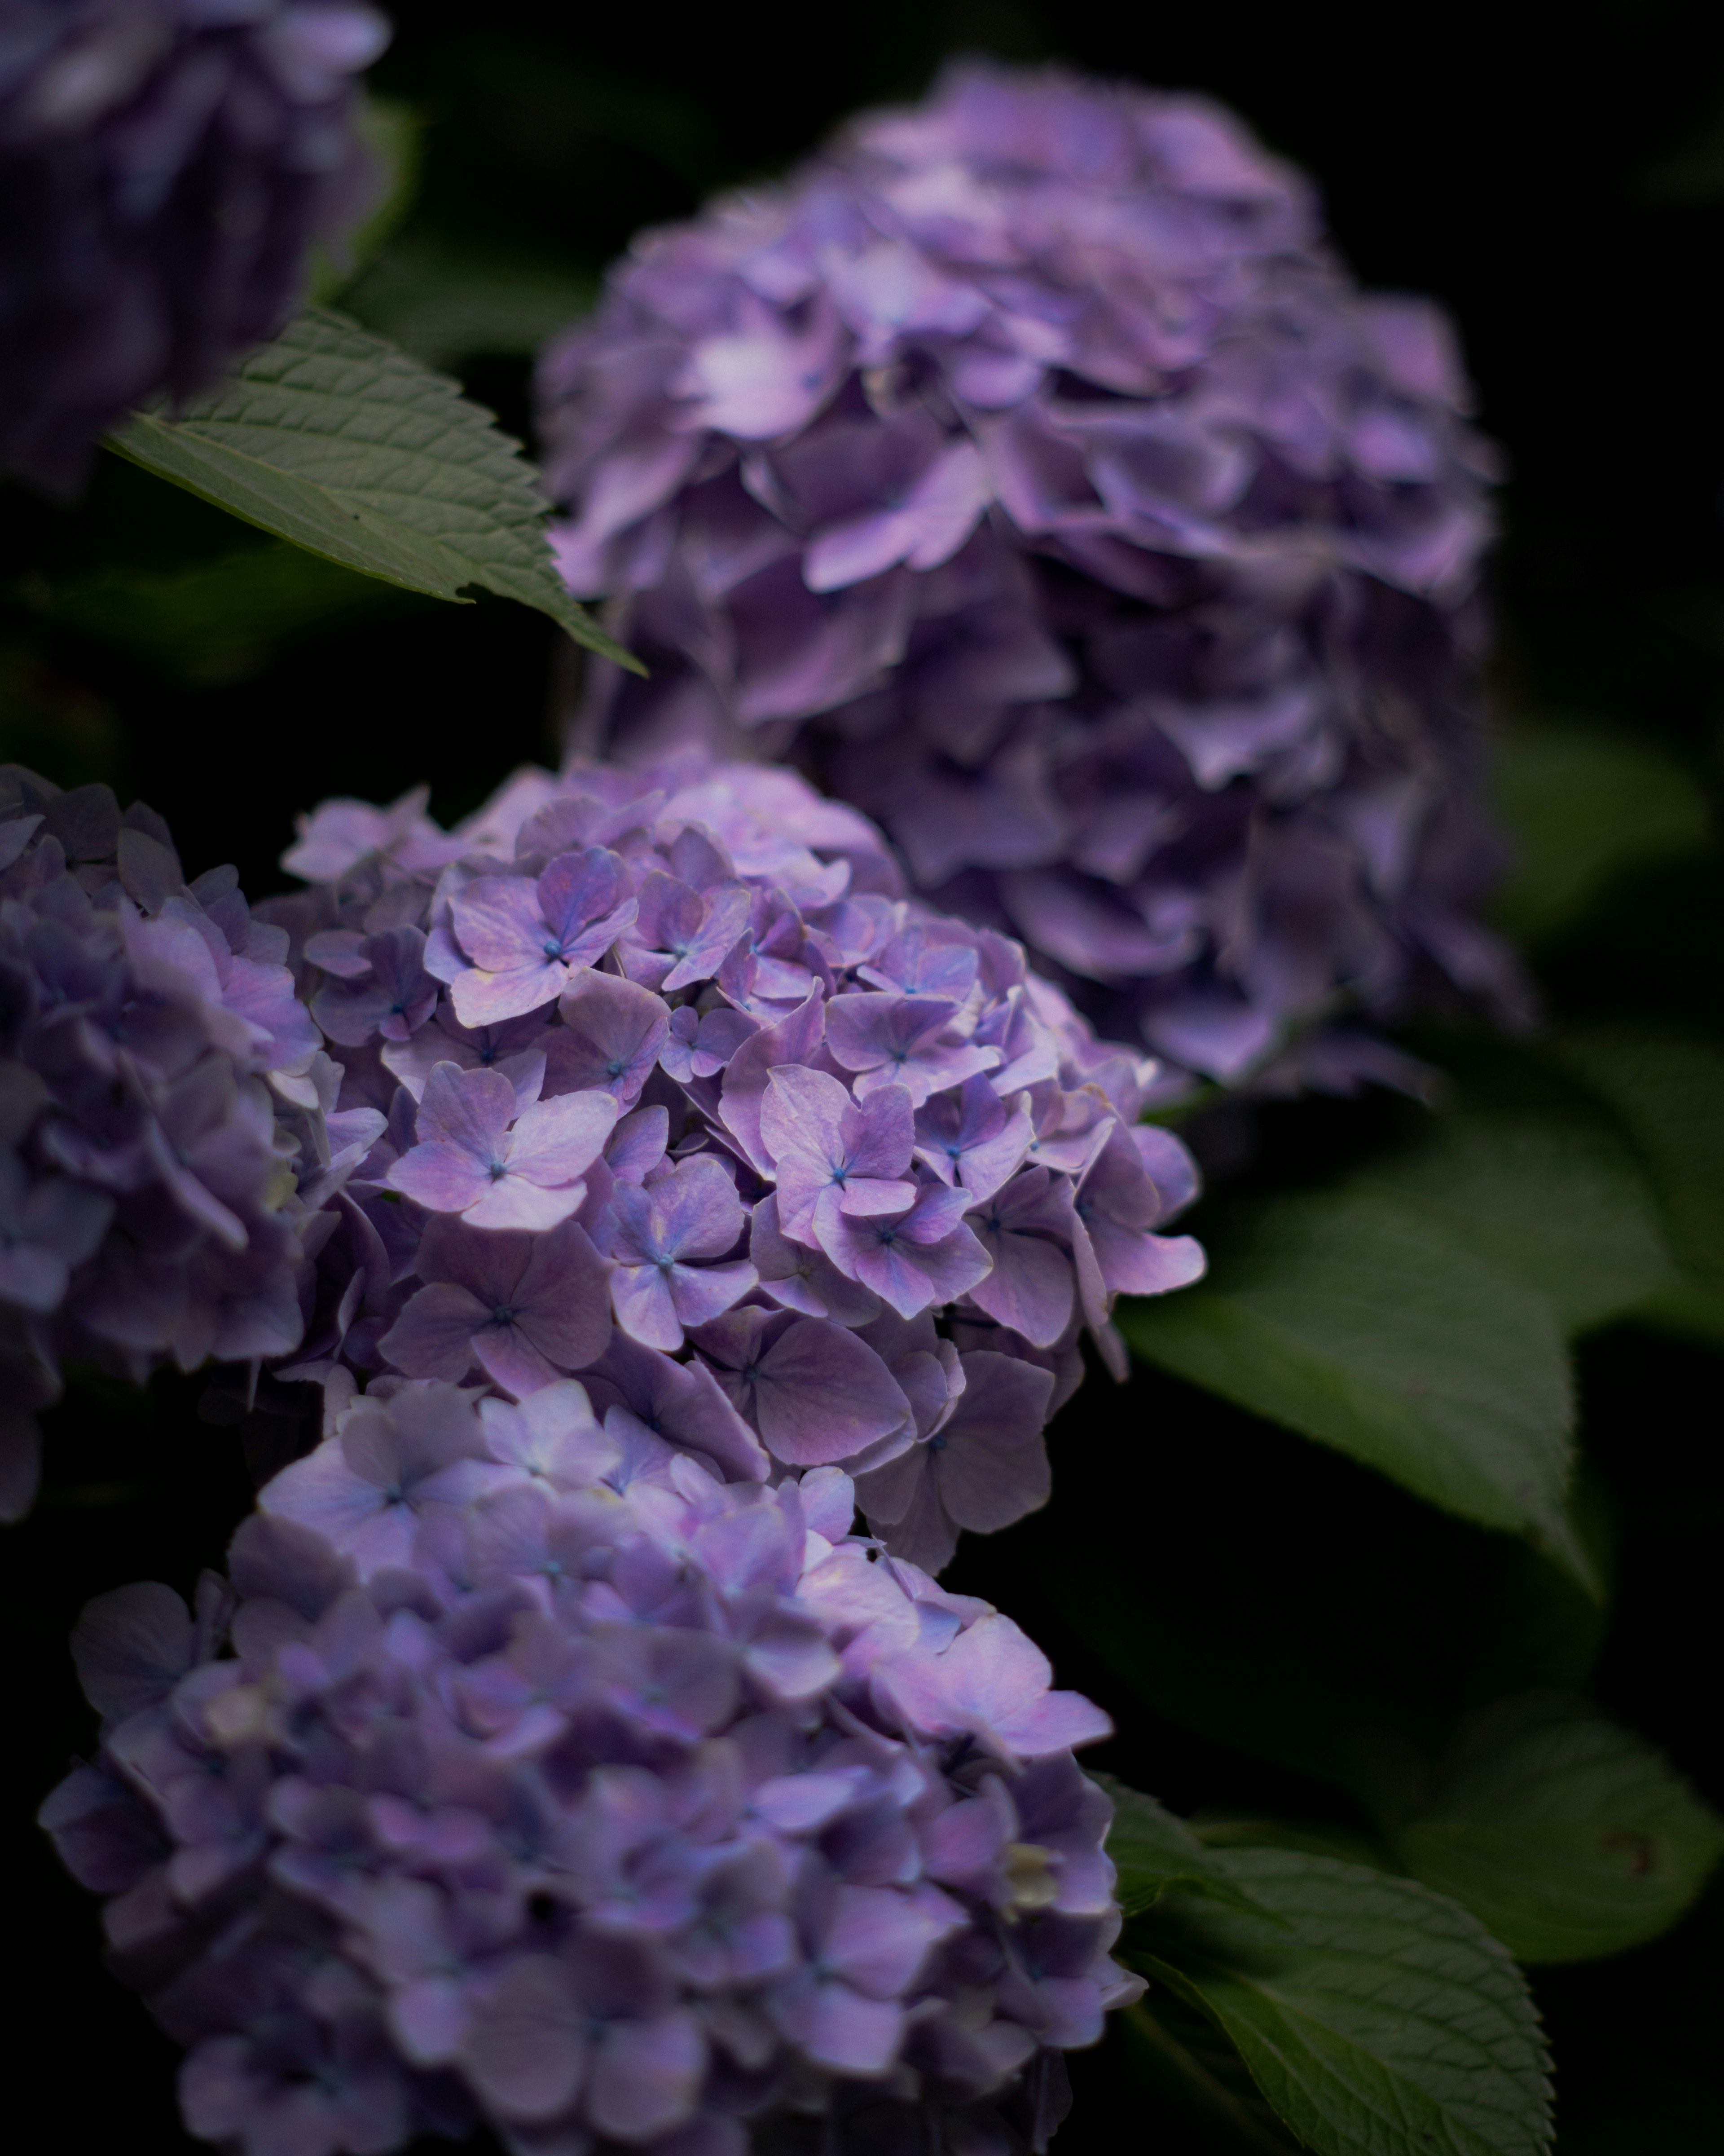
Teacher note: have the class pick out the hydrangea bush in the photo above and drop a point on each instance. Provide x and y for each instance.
(166, 167)
(165, 1150)
(1029, 461)
(674, 1091)
(551, 1779)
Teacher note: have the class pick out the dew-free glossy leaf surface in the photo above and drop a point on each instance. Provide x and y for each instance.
(1559, 1200)
(1356, 1317)
(1667, 1089)
(1378, 2019)
(1568, 1836)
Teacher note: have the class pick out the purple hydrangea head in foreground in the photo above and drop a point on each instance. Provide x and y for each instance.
(166, 167)
(683, 1097)
(163, 1148)
(1029, 461)
(551, 1779)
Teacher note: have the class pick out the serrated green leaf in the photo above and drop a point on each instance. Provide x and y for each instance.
(1356, 1318)
(1568, 1836)
(1586, 801)
(1378, 2019)
(332, 438)
(1667, 1089)
(1154, 1850)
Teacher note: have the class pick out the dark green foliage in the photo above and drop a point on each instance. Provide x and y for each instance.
(1462, 1650)
(336, 439)
(1376, 2018)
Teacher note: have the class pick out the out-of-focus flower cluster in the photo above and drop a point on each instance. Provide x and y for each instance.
(1031, 457)
(162, 1150)
(166, 167)
(553, 1778)
(682, 1097)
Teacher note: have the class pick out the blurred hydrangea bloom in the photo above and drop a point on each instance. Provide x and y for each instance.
(164, 1146)
(166, 167)
(1031, 457)
(681, 1094)
(553, 1780)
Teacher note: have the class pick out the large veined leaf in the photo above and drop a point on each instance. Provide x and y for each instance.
(1153, 1851)
(1364, 1322)
(335, 440)
(1568, 1836)
(1556, 1199)
(1177, 2064)
(1585, 801)
(1667, 1088)
(1377, 2018)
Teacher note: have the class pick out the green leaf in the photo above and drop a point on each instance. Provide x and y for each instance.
(1153, 1851)
(1585, 801)
(1177, 2062)
(1358, 1318)
(336, 440)
(1667, 1088)
(1557, 1199)
(1378, 2019)
(1569, 1837)
(1347, 1845)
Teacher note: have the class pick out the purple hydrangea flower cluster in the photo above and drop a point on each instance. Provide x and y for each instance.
(683, 1097)
(553, 1780)
(166, 166)
(163, 1150)
(1030, 461)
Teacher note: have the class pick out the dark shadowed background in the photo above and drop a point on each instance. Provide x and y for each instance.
(1557, 178)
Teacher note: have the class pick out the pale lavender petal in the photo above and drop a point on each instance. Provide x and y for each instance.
(612, 1032)
(646, 2076)
(1031, 1287)
(818, 1395)
(488, 998)
(641, 1297)
(555, 1142)
(701, 1293)
(433, 1336)
(500, 924)
(793, 1039)
(990, 1460)
(511, 1202)
(470, 1109)
(443, 1179)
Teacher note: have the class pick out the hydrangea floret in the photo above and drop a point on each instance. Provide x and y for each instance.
(679, 1093)
(164, 1145)
(1029, 462)
(524, 1770)
(166, 168)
